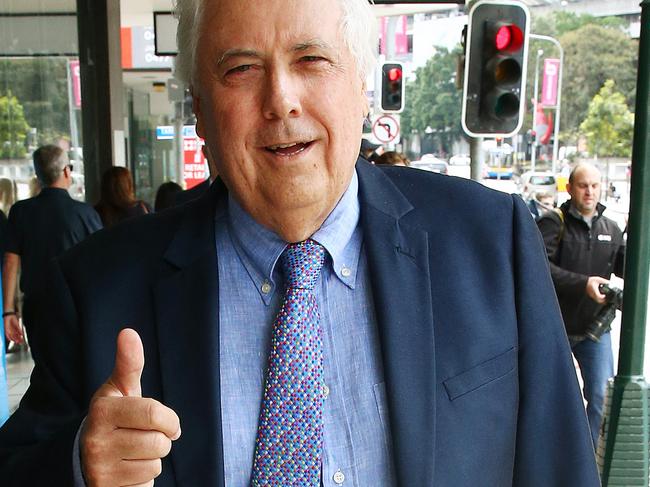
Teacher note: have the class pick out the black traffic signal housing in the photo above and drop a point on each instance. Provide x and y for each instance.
(392, 87)
(495, 68)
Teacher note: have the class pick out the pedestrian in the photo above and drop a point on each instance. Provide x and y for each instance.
(40, 229)
(369, 151)
(539, 203)
(166, 195)
(584, 248)
(266, 308)
(393, 158)
(8, 196)
(118, 201)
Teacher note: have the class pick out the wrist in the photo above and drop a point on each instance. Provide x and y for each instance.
(9, 312)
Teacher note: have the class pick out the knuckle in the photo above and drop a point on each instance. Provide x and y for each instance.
(160, 444)
(156, 468)
(154, 415)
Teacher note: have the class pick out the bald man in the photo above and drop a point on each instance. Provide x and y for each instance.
(584, 249)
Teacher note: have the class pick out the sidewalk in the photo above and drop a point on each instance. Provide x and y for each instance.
(19, 368)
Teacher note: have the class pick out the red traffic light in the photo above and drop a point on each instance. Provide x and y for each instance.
(394, 74)
(509, 38)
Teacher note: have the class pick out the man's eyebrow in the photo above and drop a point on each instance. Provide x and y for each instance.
(303, 46)
(230, 53)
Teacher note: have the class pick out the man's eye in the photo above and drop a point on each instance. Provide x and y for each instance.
(312, 59)
(240, 69)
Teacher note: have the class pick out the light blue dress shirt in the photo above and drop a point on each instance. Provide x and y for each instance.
(357, 442)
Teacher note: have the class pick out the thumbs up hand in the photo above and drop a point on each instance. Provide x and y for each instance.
(125, 435)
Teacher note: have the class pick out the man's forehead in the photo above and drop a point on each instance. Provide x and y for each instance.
(232, 24)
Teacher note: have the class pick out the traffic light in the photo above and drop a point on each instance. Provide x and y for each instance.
(495, 68)
(392, 87)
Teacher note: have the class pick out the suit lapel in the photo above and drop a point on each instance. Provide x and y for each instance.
(186, 303)
(398, 259)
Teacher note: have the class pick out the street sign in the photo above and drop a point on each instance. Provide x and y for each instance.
(385, 129)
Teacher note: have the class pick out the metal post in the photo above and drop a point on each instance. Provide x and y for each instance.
(556, 130)
(533, 156)
(624, 460)
(476, 158)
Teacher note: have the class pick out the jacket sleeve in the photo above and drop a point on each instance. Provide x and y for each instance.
(566, 282)
(553, 444)
(36, 442)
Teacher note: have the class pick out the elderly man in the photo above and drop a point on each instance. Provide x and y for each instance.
(267, 311)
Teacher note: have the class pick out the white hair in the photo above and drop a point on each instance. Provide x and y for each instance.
(358, 25)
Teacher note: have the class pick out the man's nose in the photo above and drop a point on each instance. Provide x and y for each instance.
(281, 96)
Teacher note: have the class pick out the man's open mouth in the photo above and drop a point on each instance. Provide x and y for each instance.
(290, 149)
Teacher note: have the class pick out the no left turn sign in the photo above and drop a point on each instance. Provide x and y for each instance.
(386, 128)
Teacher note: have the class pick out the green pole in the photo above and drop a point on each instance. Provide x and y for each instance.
(624, 460)
(630, 362)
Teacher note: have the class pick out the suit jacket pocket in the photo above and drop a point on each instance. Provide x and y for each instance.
(481, 374)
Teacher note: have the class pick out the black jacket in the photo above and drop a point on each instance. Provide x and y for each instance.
(580, 252)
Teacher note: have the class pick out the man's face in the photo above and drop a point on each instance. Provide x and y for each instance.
(280, 104)
(585, 190)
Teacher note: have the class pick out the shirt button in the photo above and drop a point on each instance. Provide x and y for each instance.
(346, 272)
(326, 391)
(338, 477)
(266, 287)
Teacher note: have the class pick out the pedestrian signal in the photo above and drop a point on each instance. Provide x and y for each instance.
(495, 68)
(392, 87)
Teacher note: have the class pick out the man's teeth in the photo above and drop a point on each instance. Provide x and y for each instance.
(283, 146)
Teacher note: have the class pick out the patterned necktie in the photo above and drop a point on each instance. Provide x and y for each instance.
(290, 433)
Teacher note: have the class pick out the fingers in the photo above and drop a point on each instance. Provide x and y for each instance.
(129, 362)
(592, 288)
(13, 330)
(136, 413)
(125, 472)
(141, 445)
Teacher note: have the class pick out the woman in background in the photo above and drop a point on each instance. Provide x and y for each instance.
(118, 201)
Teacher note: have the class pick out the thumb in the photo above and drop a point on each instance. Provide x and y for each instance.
(129, 362)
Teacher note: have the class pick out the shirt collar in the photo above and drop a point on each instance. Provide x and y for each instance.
(260, 248)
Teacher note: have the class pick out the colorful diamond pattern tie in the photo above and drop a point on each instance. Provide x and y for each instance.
(290, 433)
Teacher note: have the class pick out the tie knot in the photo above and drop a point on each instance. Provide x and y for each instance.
(302, 263)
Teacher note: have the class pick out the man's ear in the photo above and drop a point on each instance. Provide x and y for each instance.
(365, 104)
(196, 108)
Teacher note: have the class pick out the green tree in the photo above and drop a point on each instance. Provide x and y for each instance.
(595, 50)
(13, 128)
(41, 84)
(433, 104)
(609, 124)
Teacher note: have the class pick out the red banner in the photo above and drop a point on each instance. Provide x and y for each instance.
(75, 76)
(550, 82)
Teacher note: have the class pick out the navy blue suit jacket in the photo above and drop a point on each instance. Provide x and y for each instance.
(481, 388)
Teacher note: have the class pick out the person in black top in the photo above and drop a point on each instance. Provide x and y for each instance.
(118, 201)
(40, 229)
(584, 249)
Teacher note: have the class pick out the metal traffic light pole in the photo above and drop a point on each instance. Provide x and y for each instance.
(623, 454)
(556, 129)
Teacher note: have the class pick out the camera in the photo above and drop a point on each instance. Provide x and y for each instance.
(603, 320)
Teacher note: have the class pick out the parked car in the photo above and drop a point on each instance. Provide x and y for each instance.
(538, 182)
(460, 160)
(431, 163)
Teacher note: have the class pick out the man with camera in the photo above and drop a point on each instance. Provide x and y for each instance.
(584, 248)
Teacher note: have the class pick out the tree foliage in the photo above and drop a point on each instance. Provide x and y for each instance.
(609, 125)
(41, 84)
(595, 49)
(433, 104)
(13, 128)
